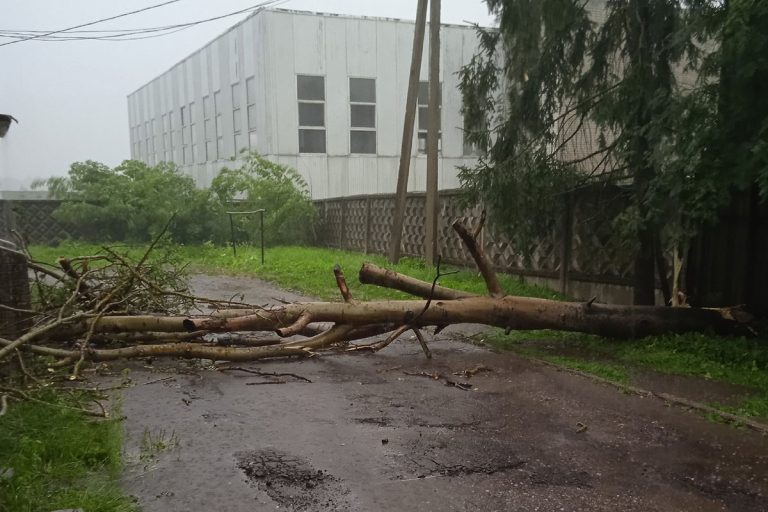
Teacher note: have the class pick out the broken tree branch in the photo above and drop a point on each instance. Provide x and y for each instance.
(373, 274)
(486, 270)
(341, 282)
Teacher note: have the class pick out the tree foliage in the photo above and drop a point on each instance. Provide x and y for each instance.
(281, 191)
(659, 97)
(134, 201)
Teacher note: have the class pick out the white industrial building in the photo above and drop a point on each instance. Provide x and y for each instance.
(322, 93)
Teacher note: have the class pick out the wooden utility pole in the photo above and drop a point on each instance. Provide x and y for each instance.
(433, 134)
(396, 234)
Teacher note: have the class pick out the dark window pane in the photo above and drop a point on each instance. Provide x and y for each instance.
(362, 90)
(422, 142)
(310, 87)
(423, 118)
(362, 142)
(311, 114)
(312, 141)
(424, 93)
(363, 116)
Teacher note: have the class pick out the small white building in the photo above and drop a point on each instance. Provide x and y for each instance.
(322, 93)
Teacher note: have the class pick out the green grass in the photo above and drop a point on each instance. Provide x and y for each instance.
(731, 360)
(60, 459)
(309, 270)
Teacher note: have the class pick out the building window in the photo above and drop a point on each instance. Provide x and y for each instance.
(208, 130)
(471, 148)
(423, 103)
(237, 119)
(362, 111)
(219, 123)
(311, 97)
(250, 98)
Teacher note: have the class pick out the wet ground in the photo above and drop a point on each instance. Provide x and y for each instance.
(393, 431)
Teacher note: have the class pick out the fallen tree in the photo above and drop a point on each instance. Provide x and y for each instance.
(92, 326)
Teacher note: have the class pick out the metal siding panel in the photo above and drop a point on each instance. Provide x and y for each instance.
(205, 67)
(338, 179)
(215, 65)
(309, 49)
(388, 132)
(196, 95)
(283, 81)
(286, 160)
(453, 141)
(268, 126)
(361, 47)
(259, 68)
(404, 50)
(178, 82)
(233, 57)
(227, 129)
(417, 179)
(249, 48)
(337, 88)
(314, 169)
(387, 175)
(362, 173)
(449, 173)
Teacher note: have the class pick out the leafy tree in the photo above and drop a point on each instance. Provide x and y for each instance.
(134, 201)
(281, 191)
(131, 202)
(562, 102)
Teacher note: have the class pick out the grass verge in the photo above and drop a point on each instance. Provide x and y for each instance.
(52, 458)
(734, 361)
(309, 270)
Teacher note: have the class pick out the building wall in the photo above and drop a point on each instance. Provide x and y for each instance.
(272, 47)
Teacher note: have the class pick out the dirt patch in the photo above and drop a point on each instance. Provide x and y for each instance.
(292, 481)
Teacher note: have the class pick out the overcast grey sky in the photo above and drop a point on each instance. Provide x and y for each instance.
(70, 96)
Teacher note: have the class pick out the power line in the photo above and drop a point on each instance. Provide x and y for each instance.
(126, 34)
(91, 23)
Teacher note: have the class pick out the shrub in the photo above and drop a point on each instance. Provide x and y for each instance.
(281, 191)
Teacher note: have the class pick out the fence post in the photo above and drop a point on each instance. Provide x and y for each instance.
(368, 227)
(566, 243)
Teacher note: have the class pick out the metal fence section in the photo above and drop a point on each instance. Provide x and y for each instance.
(33, 219)
(585, 241)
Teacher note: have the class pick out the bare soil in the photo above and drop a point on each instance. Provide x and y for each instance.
(371, 432)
